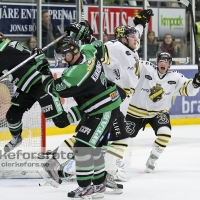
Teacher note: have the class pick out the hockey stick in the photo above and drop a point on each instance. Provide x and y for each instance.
(82, 12)
(189, 6)
(31, 57)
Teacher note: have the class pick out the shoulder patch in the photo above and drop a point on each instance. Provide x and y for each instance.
(171, 82)
(128, 53)
(148, 77)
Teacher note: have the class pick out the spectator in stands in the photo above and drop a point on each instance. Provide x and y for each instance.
(152, 45)
(105, 37)
(197, 27)
(168, 46)
(49, 33)
(31, 43)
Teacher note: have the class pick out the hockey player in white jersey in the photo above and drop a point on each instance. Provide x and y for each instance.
(156, 88)
(121, 65)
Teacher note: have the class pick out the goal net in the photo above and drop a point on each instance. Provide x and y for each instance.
(18, 162)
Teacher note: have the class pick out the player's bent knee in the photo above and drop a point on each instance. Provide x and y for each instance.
(14, 114)
(61, 121)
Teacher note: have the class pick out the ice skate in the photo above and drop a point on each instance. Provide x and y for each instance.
(120, 175)
(49, 172)
(16, 141)
(151, 163)
(81, 193)
(99, 190)
(110, 183)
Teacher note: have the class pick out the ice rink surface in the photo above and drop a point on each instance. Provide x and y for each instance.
(177, 176)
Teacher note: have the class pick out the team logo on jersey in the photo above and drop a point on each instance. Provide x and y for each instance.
(171, 82)
(148, 77)
(90, 64)
(137, 66)
(156, 93)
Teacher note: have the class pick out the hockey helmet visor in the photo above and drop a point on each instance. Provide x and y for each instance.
(165, 57)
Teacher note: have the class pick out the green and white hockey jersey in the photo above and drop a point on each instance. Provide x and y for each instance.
(86, 83)
(13, 53)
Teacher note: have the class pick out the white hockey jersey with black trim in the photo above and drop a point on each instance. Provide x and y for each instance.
(153, 95)
(121, 65)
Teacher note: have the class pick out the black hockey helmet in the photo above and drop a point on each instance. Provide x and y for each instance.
(164, 56)
(67, 44)
(125, 31)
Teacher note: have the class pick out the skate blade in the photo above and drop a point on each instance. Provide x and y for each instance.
(117, 177)
(98, 195)
(148, 170)
(43, 174)
(114, 191)
(89, 197)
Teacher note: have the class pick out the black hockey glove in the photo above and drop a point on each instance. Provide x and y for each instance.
(81, 31)
(77, 28)
(196, 80)
(143, 17)
(41, 62)
(89, 38)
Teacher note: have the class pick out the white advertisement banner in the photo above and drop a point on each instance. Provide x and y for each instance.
(172, 21)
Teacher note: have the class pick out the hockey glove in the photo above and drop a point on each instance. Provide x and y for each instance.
(143, 17)
(9, 77)
(196, 80)
(81, 31)
(89, 38)
(41, 62)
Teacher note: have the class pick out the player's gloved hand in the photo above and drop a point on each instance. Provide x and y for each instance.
(9, 77)
(143, 17)
(89, 38)
(41, 62)
(77, 28)
(81, 31)
(196, 80)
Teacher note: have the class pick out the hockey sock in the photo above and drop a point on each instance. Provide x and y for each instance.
(115, 154)
(163, 136)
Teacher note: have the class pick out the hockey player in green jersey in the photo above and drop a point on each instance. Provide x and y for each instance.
(121, 66)
(98, 100)
(120, 55)
(29, 89)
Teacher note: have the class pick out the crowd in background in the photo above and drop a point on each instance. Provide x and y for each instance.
(177, 47)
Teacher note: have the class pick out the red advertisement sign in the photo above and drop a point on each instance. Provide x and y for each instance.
(112, 17)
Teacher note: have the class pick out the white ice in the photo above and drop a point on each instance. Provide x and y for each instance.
(177, 176)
